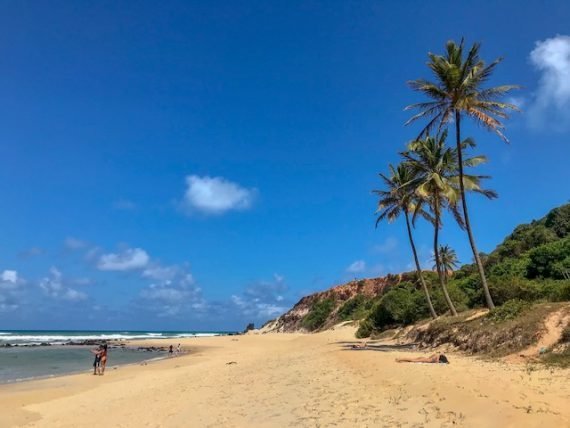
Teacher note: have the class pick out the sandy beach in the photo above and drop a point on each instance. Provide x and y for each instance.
(293, 380)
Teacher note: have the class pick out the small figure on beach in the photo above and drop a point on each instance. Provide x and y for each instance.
(179, 349)
(434, 358)
(100, 359)
(103, 363)
(360, 345)
(170, 350)
(97, 361)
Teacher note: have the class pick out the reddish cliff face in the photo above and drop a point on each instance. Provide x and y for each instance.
(291, 320)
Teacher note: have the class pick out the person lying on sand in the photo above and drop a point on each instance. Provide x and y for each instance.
(435, 358)
(360, 346)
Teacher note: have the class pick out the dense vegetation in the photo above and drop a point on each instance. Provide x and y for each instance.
(318, 314)
(530, 265)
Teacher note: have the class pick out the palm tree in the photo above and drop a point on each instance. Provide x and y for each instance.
(447, 260)
(458, 91)
(397, 199)
(434, 167)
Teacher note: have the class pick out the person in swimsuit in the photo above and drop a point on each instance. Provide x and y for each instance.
(103, 360)
(434, 358)
(170, 351)
(97, 362)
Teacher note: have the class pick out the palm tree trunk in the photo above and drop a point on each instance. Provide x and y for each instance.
(437, 260)
(480, 268)
(418, 268)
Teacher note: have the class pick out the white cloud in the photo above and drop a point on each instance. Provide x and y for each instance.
(10, 290)
(9, 276)
(10, 280)
(173, 293)
(262, 299)
(215, 195)
(161, 273)
(54, 287)
(357, 266)
(129, 259)
(74, 244)
(550, 104)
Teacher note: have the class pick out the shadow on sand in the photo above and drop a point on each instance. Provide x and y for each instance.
(349, 346)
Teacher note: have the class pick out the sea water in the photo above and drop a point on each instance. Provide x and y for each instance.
(24, 358)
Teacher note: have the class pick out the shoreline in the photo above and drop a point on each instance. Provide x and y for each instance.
(278, 380)
(85, 371)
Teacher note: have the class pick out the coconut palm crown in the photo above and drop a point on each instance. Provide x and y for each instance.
(398, 198)
(458, 89)
(447, 259)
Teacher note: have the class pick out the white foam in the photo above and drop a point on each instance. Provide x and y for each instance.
(39, 338)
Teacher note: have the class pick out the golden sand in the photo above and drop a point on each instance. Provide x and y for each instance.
(293, 380)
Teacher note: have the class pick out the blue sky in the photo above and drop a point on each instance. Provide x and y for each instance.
(200, 165)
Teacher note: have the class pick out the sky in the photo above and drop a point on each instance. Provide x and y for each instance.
(201, 165)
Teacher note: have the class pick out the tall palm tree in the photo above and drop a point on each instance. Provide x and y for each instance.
(457, 92)
(447, 260)
(397, 199)
(434, 167)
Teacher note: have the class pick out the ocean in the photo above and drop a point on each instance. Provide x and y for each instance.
(32, 354)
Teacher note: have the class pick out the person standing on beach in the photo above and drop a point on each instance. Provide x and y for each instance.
(97, 361)
(178, 349)
(170, 350)
(103, 363)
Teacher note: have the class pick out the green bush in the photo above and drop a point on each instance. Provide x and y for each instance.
(399, 306)
(509, 311)
(554, 291)
(510, 267)
(524, 238)
(364, 329)
(509, 288)
(318, 314)
(354, 308)
(470, 286)
(559, 221)
(550, 260)
(456, 294)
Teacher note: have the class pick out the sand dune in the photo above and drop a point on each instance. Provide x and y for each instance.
(293, 380)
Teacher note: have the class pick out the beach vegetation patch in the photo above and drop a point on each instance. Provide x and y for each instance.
(318, 314)
(509, 311)
(355, 308)
(496, 335)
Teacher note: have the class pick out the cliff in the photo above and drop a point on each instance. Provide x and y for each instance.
(323, 309)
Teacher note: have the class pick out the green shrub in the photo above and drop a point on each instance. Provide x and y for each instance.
(354, 308)
(509, 311)
(554, 291)
(510, 267)
(456, 294)
(549, 260)
(524, 238)
(364, 329)
(318, 314)
(399, 306)
(509, 288)
(559, 220)
(470, 286)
